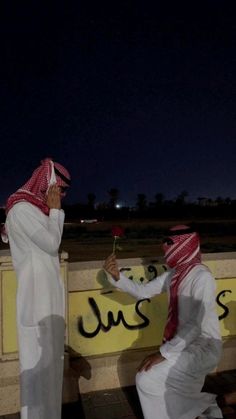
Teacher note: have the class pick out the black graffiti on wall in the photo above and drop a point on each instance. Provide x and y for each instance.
(112, 322)
(225, 308)
(151, 269)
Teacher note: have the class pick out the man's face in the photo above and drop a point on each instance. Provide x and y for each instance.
(181, 248)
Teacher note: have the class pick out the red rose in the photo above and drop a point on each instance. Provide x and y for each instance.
(117, 231)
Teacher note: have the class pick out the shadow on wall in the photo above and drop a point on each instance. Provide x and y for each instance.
(42, 381)
(76, 366)
(42, 367)
(230, 316)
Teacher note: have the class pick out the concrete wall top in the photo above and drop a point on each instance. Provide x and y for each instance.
(89, 275)
(5, 256)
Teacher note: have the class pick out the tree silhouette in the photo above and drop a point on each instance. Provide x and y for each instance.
(91, 200)
(159, 199)
(228, 201)
(219, 200)
(141, 202)
(181, 198)
(114, 194)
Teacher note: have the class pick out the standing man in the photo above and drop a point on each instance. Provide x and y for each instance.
(34, 226)
(169, 382)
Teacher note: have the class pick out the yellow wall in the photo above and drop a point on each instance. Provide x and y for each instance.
(99, 332)
(8, 288)
(95, 312)
(89, 296)
(129, 333)
(9, 342)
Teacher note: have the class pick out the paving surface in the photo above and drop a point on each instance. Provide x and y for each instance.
(113, 404)
(107, 404)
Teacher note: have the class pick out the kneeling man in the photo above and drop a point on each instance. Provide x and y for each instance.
(169, 382)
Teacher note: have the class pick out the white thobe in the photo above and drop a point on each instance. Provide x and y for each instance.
(172, 388)
(34, 241)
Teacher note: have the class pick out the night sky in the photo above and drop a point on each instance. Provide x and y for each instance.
(124, 94)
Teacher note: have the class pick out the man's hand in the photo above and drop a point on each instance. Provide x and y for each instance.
(110, 265)
(151, 360)
(53, 197)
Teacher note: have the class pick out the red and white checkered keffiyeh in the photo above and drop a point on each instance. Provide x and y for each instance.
(35, 190)
(182, 255)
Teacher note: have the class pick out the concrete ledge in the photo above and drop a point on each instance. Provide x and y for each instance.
(10, 399)
(119, 370)
(228, 359)
(113, 371)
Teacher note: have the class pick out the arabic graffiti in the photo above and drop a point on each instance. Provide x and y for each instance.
(152, 269)
(110, 320)
(226, 310)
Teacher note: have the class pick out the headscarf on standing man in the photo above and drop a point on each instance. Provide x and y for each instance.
(36, 188)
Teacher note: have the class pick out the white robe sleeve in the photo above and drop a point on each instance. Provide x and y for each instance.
(26, 219)
(141, 291)
(202, 306)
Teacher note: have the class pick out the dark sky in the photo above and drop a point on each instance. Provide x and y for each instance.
(124, 94)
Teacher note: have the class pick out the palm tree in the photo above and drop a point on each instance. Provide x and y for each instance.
(228, 201)
(159, 197)
(141, 202)
(114, 194)
(219, 200)
(181, 198)
(91, 200)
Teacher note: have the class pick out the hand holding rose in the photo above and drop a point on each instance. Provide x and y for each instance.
(117, 232)
(111, 266)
